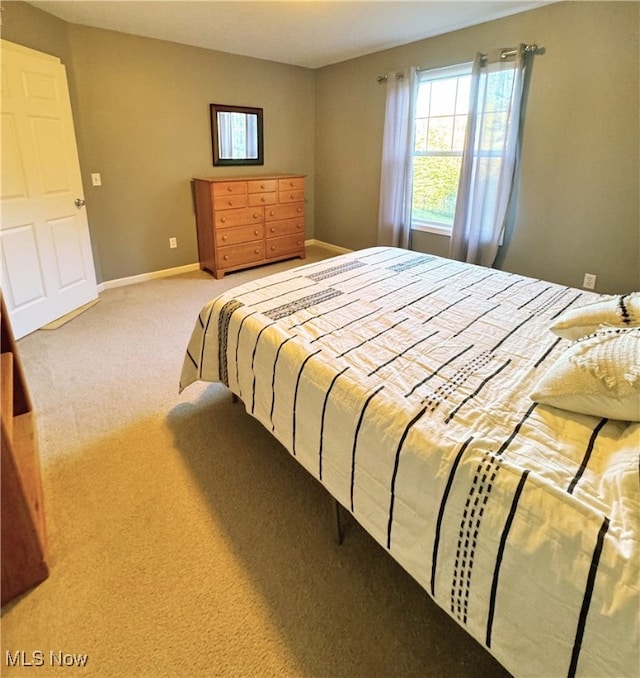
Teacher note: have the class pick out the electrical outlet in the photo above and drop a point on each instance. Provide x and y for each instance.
(173, 243)
(96, 179)
(589, 282)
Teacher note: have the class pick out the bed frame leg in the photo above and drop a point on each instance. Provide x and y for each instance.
(339, 531)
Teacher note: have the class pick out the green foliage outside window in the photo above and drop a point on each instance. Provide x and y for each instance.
(440, 124)
(435, 186)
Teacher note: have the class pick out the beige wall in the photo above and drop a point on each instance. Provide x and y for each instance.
(25, 25)
(141, 112)
(578, 196)
(143, 120)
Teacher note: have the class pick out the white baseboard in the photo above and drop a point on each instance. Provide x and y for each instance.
(133, 279)
(167, 272)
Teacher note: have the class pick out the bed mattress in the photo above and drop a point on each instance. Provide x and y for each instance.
(402, 382)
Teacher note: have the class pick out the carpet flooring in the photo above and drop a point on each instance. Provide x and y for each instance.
(184, 540)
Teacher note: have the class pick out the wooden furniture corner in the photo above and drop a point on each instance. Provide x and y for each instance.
(23, 540)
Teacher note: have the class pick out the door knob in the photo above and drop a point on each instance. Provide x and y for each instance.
(79, 202)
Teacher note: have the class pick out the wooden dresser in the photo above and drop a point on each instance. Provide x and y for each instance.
(22, 516)
(247, 221)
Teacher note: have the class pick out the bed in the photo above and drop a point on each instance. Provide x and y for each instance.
(426, 396)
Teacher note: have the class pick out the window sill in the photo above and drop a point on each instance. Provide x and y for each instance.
(429, 228)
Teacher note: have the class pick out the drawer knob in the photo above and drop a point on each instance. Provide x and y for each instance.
(224, 237)
(299, 242)
(263, 199)
(229, 189)
(255, 216)
(271, 213)
(299, 209)
(256, 232)
(230, 203)
(298, 226)
(226, 256)
(257, 251)
(223, 220)
(273, 230)
(262, 186)
(292, 196)
(273, 247)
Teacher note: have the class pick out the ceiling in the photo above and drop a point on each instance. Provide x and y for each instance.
(297, 32)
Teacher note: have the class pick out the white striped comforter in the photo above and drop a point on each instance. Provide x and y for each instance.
(401, 381)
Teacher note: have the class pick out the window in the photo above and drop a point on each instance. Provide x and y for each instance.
(441, 112)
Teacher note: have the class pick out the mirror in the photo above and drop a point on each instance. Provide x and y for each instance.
(236, 133)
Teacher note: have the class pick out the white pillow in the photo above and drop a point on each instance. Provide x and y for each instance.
(598, 375)
(612, 311)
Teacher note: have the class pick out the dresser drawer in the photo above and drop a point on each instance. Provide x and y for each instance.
(292, 195)
(288, 244)
(229, 202)
(262, 186)
(237, 255)
(262, 199)
(292, 183)
(278, 212)
(231, 236)
(239, 217)
(286, 227)
(222, 188)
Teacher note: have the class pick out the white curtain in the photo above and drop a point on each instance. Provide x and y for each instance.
(490, 156)
(394, 216)
(251, 135)
(225, 135)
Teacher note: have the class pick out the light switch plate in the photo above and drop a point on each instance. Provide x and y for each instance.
(96, 179)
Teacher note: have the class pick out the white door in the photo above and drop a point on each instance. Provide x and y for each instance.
(47, 265)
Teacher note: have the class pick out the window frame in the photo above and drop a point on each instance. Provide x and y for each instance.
(430, 75)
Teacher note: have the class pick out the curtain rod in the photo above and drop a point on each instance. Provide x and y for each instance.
(505, 54)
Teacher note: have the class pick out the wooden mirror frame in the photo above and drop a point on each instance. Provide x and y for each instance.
(218, 159)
